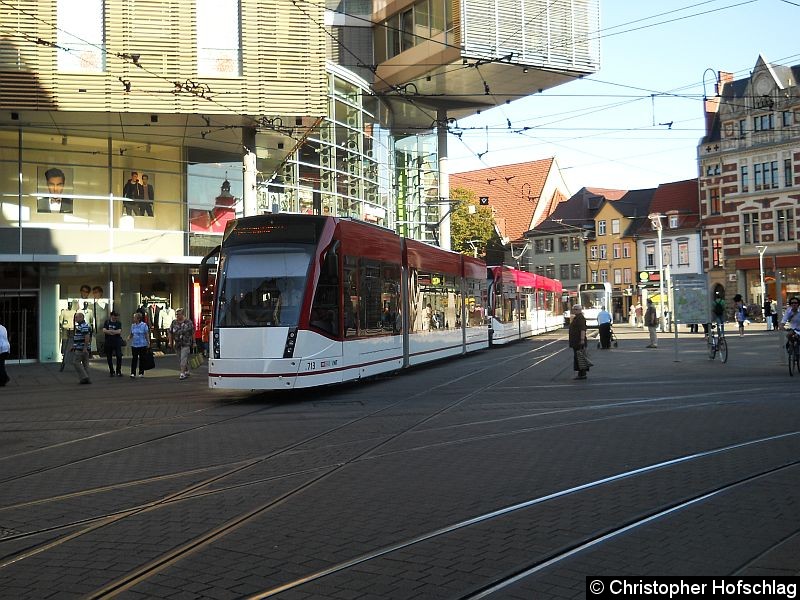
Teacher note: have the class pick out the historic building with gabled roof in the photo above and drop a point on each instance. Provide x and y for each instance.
(749, 183)
(520, 195)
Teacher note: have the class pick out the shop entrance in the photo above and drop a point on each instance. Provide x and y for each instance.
(19, 312)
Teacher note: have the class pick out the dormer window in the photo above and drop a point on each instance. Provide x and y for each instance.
(673, 221)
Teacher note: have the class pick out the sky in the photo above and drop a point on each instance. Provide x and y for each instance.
(610, 129)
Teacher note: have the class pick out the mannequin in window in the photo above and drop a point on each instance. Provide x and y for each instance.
(66, 325)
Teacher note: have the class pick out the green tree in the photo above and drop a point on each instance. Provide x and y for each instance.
(465, 226)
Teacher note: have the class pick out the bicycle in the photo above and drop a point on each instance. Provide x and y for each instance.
(717, 344)
(793, 352)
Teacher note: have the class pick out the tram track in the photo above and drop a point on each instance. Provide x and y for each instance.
(204, 540)
(91, 525)
(566, 551)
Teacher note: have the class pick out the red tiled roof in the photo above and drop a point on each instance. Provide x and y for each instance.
(679, 197)
(514, 192)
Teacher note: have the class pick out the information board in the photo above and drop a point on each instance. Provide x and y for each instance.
(691, 297)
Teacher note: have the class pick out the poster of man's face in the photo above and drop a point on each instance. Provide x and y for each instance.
(53, 184)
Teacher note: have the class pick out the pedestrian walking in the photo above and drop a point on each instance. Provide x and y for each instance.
(81, 346)
(5, 353)
(112, 329)
(651, 321)
(637, 310)
(740, 310)
(139, 339)
(181, 336)
(577, 340)
(604, 325)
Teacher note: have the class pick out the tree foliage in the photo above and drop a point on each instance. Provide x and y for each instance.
(465, 227)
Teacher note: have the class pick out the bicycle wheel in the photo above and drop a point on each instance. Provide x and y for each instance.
(712, 348)
(722, 348)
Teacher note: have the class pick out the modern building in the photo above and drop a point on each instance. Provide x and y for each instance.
(235, 107)
(749, 180)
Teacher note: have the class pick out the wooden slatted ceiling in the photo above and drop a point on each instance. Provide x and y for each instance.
(283, 54)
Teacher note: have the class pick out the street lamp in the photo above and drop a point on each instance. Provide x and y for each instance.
(655, 220)
(761, 250)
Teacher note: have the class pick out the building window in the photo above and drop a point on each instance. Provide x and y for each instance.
(601, 228)
(540, 270)
(745, 182)
(576, 271)
(784, 223)
(743, 128)
(626, 249)
(673, 221)
(594, 276)
(750, 228)
(617, 276)
(717, 253)
(712, 170)
(764, 122)
(563, 244)
(788, 178)
(548, 245)
(563, 271)
(550, 271)
(593, 252)
(218, 39)
(81, 39)
(616, 250)
(603, 252)
(627, 274)
(615, 226)
(650, 255)
(715, 204)
(576, 243)
(538, 246)
(683, 254)
(603, 275)
(788, 118)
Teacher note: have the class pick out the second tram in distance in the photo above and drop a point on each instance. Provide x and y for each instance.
(302, 301)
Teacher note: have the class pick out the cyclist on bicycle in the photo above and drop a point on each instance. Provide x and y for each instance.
(792, 318)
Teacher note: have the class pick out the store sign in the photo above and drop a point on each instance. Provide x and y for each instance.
(649, 276)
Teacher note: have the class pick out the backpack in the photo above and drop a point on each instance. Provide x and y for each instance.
(719, 310)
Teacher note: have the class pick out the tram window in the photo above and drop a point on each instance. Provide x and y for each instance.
(378, 298)
(476, 301)
(325, 309)
(261, 288)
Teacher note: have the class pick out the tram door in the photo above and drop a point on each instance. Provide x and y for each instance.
(19, 315)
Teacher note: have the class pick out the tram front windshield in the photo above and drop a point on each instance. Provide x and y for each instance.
(262, 287)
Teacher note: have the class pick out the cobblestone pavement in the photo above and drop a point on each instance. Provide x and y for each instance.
(436, 483)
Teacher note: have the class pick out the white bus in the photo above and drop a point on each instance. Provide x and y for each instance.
(592, 297)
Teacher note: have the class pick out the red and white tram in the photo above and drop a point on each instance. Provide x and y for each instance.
(302, 301)
(522, 304)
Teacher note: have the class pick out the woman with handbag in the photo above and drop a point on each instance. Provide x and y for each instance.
(577, 341)
(139, 339)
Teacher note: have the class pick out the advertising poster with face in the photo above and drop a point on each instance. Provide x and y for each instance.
(54, 183)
